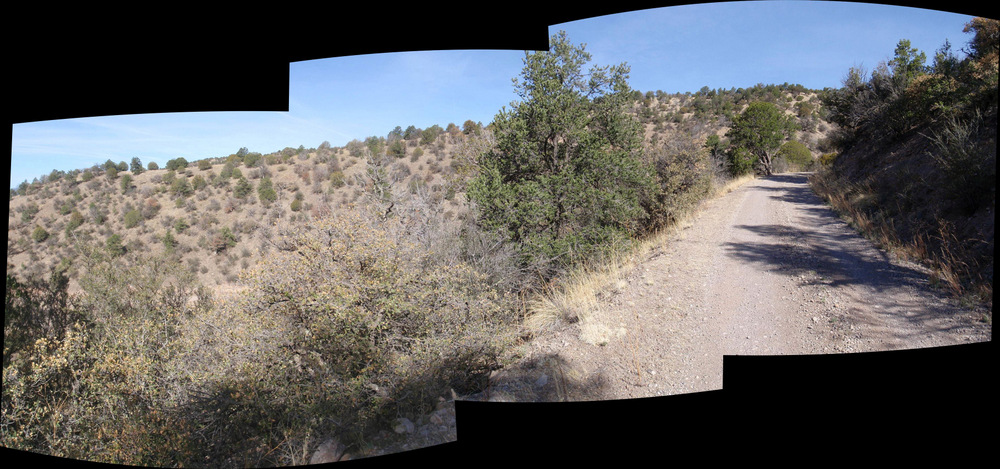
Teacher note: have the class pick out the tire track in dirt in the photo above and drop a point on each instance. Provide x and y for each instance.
(765, 270)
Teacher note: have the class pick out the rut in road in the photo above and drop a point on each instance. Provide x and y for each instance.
(767, 269)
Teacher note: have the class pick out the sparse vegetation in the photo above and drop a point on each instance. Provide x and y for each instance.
(375, 277)
(919, 142)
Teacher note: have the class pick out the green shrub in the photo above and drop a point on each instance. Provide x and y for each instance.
(223, 240)
(29, 211)
(252, 160)
(132, 218)
(740, 161)
(684, 178)
(114, 245)
(75, 220)
(181, 188)
(965, 154)
(169, 241)
(470, 127)
(227, 170)
(397, 148)
(243, 187)
(430, 134)
(97, 215)
(177, 164)
(66, 207)
(265, 191)
(126, 183)
(35, 308)
(136, 166)
(755, 136)
(198, 183)
(181, 225)
(797, 155)
(93, 390)
(39, 234)
(337, 179)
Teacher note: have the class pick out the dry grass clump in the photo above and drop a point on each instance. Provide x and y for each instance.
(953, 266)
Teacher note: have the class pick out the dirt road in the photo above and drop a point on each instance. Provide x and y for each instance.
(765, 270)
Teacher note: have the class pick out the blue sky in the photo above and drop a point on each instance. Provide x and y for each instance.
(675, 49)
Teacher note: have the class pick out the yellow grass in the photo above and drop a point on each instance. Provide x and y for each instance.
(945, 265)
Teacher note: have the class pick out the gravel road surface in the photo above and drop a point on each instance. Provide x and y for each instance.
(767, 269)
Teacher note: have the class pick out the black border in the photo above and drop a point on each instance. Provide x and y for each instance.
(67, 62)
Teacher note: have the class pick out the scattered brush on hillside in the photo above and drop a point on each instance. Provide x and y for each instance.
(369, 289)
(917, 166)
(363, 325)
(352, 321)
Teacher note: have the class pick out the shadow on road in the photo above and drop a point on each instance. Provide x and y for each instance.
(823, 244)
(816, 247)
(796, 190)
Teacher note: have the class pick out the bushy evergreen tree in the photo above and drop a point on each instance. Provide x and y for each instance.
(265, 191)
(114, 245)
(136, 167)
(39, 234)
(755, 137)
(243, 188)
(565, 178)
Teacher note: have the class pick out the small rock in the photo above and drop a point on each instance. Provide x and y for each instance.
(403, 425)
(542, 380)
(330, 451)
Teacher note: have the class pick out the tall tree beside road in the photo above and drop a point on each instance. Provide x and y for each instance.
(756, 136)
(566, 176)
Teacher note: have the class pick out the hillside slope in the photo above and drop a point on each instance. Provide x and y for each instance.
(309, 183)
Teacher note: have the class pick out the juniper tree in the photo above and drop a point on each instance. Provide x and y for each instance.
(566, 176)
(136, 167)
(755, 137)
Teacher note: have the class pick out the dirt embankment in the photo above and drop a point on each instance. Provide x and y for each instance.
(765, 270)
